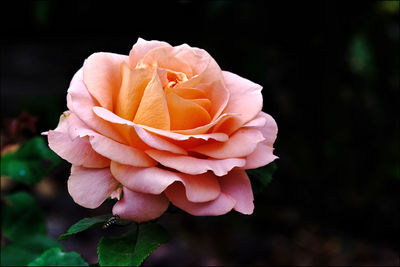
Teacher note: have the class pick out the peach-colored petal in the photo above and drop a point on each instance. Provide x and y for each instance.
(101, 74)
(82, 104)
(140, 207)
(192, 165)
(187, 93)
(141, 47)
(204, 129)
(219, 96)
(185, 114)
(134, 82)
(229, 124)
(203, 102)
(158, 142)
(111, 117)
(90, 187)
(119, 152)
(221, 205)
(165, 57)
(205, 68)
(153, 110)
(242, 143)
(237, 185)
(107, 147)
(199, 188)
(245, 97)
(259, 121)
(77, 151)
(269, 129)
(261, 156)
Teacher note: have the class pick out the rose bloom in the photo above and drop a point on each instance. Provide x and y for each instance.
(162, 125)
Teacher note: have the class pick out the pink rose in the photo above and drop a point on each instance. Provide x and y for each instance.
(162, 125)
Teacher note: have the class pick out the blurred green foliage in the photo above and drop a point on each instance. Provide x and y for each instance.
(21, 217)
(361, 58)
(30, 163)
(23, 223)
(56, 257)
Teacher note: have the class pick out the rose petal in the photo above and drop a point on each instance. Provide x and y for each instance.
(101, 74)
(221, 205)
(269, 130)
(120, 152)
(204, 128)
(77, 151)
(185, 114)
(90, 187)
(192, 165)
(165, 57)
(199, 188)
(82, 104)
(111, 117)
(140, 207)
(141, 47)
(134, 82)
(237, 185)
(261, 156)
(242, 143)
(205, 68)
(153, 110)
(245, 96)
(219, 96)
(259, 121)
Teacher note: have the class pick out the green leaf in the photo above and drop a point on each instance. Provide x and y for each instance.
(23, 251)
(56, 257)
(261, 177)
(84, 224)
(21, 217)
(30, 163)
(132, 248)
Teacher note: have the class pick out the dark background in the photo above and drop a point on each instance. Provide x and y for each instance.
(330, 73)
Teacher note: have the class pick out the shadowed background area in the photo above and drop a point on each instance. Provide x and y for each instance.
(330, 74)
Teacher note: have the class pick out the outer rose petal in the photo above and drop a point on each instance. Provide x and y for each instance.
(237, 185)
(140, 207)
(77, 151)
(82, 103)
(263, 154)
(199, 188)
(141, 47)
(260, 157)
(101, 74)
(192, 165)
(107, 147)
(120, 152)
(245, 97)
(90, 187)
(240, 144)
(223, 204)
(269, 129)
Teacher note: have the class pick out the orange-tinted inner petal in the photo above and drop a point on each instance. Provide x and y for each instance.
(134, 82)
(188, 93)
(153, 110)
(185, 114)
(204, 102)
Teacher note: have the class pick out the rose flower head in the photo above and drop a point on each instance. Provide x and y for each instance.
(162, 125)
